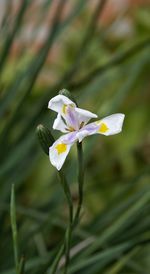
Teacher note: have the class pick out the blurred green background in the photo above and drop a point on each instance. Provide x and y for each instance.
(100, 51)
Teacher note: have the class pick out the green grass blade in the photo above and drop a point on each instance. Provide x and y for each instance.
(11, 36)
(117, 267)
(14, 228)
(116, 60)
(119, 224)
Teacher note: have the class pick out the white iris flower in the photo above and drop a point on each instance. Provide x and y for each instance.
(74, 122)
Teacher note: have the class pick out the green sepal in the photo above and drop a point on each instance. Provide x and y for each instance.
(45, 138)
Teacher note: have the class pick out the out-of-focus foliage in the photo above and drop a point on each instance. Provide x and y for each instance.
(101, 53)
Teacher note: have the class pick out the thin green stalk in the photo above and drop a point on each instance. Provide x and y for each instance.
(64, 246)
(67, 246)
(57, 259)
(22, 265)
(72, 221)
(68, 234)
(66, 243)
(67, 194)
(80, 181)
(77, 214)
(14, 228)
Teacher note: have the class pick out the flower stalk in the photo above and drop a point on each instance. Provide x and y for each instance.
(65, 246)
(72, 224)
(67, 194)
(79, 206)
(80, 182)
(57, 259)
(14, 228)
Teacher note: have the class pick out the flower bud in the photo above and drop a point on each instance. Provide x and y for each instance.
(68, 94)
(45, 138)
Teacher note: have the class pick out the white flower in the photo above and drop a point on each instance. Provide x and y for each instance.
(73, 121)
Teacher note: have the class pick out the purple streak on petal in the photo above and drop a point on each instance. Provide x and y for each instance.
(87, 130)
(69, 138)
(72, 120)
(91, 128)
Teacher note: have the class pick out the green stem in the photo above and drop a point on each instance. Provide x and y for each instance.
(80, 182)
(69, 229)
(21, 265)
(66, 244)
(72, 221)
(67, 194)
(77, 214)
(57, 259)
(14, 228)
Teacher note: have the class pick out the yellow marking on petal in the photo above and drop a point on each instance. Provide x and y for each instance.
(64, 109)
(61, 148)
(103, 128)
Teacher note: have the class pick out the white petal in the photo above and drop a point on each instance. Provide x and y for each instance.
(60, 149)
(111, 124)
(58, 153)
(82, 134)
(108, 126)
(59, 124)
(84, 115)
(58, 102)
